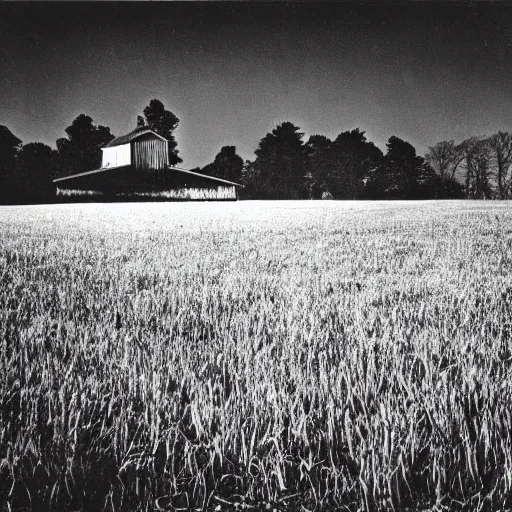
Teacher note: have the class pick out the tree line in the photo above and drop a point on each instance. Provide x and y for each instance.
(352, 167)
(285, 166)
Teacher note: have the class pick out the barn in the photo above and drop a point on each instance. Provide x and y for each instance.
(136, 167)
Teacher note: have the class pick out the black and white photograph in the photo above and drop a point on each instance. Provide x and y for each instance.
(256, 256)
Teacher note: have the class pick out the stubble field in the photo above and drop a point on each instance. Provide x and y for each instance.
(254, 355)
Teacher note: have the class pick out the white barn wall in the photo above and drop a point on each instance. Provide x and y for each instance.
(116, 156)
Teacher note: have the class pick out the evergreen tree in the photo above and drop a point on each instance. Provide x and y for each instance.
(354, 156)
(397, 177)
(281, 163)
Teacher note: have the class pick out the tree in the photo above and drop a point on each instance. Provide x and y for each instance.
(227, 165)
(500, 147)
(354, 157)
(317, 167)
(405, 165)
(280, 163)
(428, 183)
(476, 164)
(81, 151)
(339, 168)
(10, 145)
(163, 122)
(36, 166)
(250, 179)
(316, 144)
(445, 158)
(397, 177)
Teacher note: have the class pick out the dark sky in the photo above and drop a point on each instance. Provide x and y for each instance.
(232, 71)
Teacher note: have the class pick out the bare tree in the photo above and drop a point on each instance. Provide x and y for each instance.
(445, 158)
(500, 147)
(476, 163)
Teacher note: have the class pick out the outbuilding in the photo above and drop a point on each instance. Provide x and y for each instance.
(136, 167)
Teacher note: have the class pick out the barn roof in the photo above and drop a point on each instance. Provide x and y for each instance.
(213, 178)
(134, 134)
(110, 169)
(87, 173)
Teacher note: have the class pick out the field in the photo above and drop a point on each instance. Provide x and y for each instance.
(256, 356)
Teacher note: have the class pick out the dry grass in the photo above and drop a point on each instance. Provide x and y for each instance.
(329, 356)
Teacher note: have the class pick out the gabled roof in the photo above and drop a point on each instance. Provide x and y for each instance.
(134, 134)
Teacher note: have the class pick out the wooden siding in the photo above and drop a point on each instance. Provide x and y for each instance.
(150, 152)
(116, 156)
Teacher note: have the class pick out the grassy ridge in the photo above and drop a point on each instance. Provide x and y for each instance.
(334, 356)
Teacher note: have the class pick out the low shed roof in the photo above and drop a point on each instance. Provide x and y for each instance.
(134, 134)
(178, 169)
(213, 178)
(88, 173)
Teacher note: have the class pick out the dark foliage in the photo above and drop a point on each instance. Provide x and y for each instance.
(10, 146)
(351, 157)
(317, 166)
(280, 164)
(37, 165)
(227, 165)
(401, 174)
(450, 188)
(249, 180)
(81, 151)
(26, 172)
(163, 122)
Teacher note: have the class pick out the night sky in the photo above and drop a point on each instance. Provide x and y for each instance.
(232, 71)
